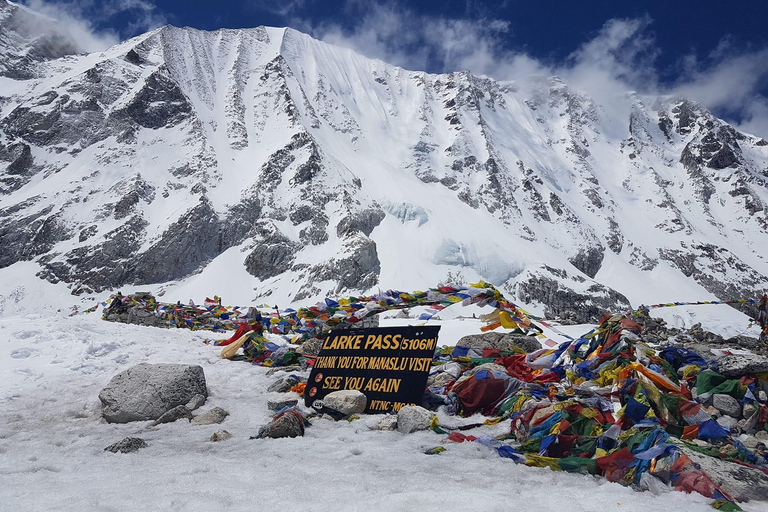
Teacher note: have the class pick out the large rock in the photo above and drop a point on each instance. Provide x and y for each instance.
(739, 365)
(501, 341)
(727, 405)
(412, 418)
(741, 482)
(346, 401)
(147, 391)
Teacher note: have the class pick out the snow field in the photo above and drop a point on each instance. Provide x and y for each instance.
(52, 439)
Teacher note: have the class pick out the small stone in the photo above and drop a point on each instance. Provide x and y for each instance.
(761, 435)
(196, 402)
(388, 422)
(280, 402)
(762, 396)
(346, 401)
(215, 415)
(220, 435)
(748, 410)
(177, 413)
(412, 418)
(711, 411)
(727, 405)
(288, 424)
(127, 445)
(283, 384)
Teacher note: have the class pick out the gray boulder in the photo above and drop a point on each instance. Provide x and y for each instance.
(741, 482)
(177, 413)
(727, 405)
(346, 401)
(412, 418)
(286, 425)
(280, 402)
(215, 415)
(127, 445)
(147, 391)
(743, 364)
(500, 341)
(283, 384)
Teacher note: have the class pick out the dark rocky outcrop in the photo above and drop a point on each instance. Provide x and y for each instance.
(192, 240)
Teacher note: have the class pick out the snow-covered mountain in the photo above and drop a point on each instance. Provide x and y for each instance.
(300, 169)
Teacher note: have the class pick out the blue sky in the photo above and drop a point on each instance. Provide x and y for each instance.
(712, 51)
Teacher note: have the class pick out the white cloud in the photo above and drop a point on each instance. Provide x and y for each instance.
(621, 57)
(79, 28)
(82, 19)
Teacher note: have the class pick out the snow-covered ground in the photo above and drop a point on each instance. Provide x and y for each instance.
(52, 440)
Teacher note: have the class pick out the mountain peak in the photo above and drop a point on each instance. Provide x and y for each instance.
(306, 169)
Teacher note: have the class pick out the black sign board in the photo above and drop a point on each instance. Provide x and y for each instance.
(390, 365)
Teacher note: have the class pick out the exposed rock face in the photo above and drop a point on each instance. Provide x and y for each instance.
(570, 297)
(189, 242)
(147, 391)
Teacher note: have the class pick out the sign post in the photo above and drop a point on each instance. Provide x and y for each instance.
(390, 365)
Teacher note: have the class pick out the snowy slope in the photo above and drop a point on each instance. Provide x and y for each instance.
(52, 441)
(306, 170)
